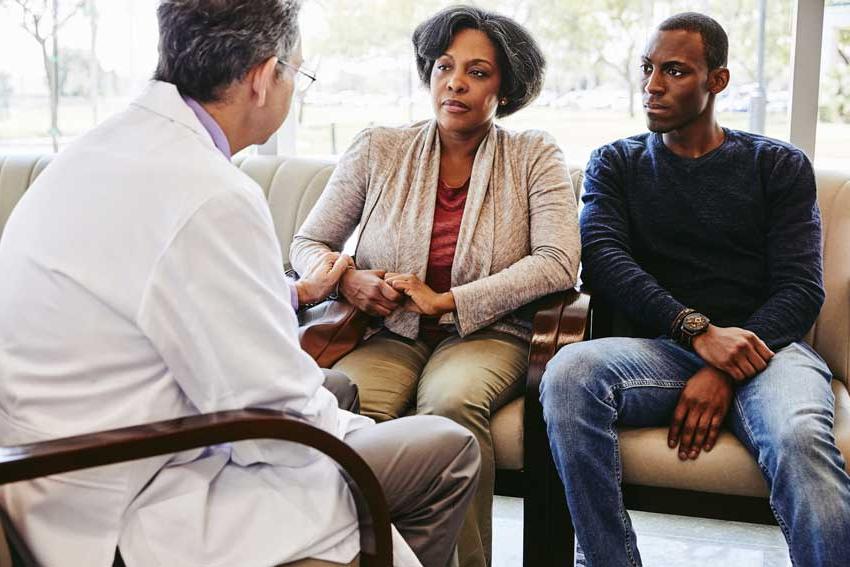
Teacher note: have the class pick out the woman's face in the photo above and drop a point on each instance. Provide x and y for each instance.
(465, 83)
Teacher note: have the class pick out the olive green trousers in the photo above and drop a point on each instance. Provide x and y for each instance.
(465, 379)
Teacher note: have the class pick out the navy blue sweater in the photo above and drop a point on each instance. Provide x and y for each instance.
(734, 234)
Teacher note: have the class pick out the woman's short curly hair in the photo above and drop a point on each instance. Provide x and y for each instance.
(519, 58)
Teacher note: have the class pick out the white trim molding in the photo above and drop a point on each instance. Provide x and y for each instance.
(805, 74)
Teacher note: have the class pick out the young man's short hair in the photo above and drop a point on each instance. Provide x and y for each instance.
(714, 39)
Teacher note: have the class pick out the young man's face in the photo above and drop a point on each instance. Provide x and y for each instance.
(676, 82)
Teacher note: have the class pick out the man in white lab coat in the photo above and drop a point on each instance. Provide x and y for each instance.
(142, 280)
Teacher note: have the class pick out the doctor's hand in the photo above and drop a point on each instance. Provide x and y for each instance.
(422, 299)
(321, 279)
(737, 352)
(703, 405)
(367, 291)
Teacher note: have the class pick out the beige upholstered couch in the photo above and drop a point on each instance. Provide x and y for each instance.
(724, 483)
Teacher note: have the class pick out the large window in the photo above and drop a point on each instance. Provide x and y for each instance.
(833, 134)
(366, 72)
(103, 52)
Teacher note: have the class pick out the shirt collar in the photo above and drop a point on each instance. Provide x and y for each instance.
(211, 126)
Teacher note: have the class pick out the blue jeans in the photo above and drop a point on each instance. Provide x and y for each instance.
(783, 416)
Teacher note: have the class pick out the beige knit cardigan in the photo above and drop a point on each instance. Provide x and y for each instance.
(518, 238)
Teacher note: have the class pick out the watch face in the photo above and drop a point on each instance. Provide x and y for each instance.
(695, 323)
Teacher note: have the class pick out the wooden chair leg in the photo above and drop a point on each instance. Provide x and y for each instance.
(548, 535)
(19, 554)
(570, 540)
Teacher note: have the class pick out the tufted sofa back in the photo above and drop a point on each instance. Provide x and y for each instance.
(292, 186)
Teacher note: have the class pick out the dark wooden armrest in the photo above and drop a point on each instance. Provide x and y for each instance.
(25, 462)
(561, 319)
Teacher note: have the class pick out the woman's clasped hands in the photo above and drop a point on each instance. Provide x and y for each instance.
(421, 298)
(380, 293)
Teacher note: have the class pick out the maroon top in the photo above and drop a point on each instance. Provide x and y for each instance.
(448, 212)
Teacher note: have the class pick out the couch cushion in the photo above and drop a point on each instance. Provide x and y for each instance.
(831, 334)
(290, 208)
(292, 186)
(727, 469)
(506, 427)
(16, 175)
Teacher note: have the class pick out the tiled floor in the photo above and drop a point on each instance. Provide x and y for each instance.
(665, 541)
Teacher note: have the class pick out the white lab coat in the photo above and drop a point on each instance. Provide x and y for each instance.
(141, 280)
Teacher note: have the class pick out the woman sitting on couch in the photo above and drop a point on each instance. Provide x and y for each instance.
(462, 222)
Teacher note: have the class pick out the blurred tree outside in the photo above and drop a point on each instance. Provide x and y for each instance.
(626, 23)
(586, 42)
(836, 95)
(42, 20)
(367, 73)
(95, 72)
(740, 20)
(5, 94)
(75, 74)
(356, 32)
(591, 43)
(578, 38)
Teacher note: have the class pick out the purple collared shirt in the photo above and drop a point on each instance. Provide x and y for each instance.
(220, 141)
(211, 126)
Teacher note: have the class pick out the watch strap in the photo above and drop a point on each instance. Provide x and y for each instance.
(676, 328)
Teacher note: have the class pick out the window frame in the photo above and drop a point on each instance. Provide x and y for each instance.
(805, 74)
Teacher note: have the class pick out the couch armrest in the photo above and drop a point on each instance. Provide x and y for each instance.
(25, 462)
(561, 319)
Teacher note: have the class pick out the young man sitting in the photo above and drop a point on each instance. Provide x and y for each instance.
(709, 240)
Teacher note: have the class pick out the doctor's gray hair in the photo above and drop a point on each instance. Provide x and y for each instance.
(207, 45)
(519, 57)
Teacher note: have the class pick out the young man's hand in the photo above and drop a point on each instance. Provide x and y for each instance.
(367, 291)
(702, 407)
(423, 299)
(737, 352)
(321, 279)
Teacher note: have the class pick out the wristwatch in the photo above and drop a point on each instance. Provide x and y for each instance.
(693, 324)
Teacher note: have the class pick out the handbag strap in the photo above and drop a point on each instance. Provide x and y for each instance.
(365, 222)
(290, 271)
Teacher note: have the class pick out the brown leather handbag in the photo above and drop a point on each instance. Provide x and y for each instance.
(330, 330)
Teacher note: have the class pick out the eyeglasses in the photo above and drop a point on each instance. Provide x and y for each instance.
(303, 79)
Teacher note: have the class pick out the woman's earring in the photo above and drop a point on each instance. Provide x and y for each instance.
(503, 101)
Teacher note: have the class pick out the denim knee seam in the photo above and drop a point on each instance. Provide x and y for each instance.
(609, 399)
(750, 437)
(752, 442)
(644, 383)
